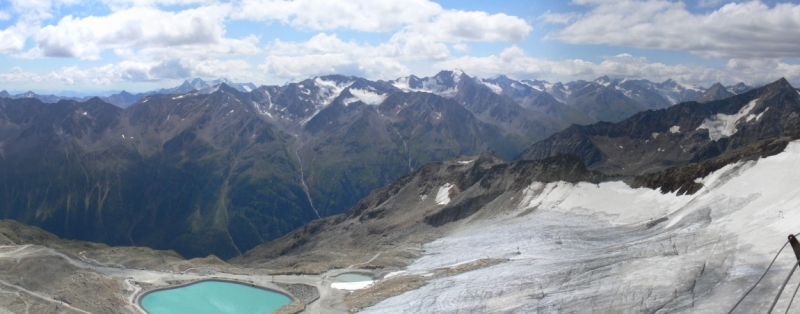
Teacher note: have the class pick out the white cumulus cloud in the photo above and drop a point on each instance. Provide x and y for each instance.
(327, 54)
(87, 37)
(361, 15)
(749, 29)
(513, 61)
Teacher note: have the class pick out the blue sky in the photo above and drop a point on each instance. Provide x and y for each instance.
(138, 45)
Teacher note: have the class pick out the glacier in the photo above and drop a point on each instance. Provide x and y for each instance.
(611, 248)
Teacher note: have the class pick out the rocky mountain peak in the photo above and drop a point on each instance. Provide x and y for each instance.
(715, 92)
(225, 88)
(740, 88)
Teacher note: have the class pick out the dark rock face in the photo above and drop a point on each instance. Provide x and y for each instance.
(685, 133)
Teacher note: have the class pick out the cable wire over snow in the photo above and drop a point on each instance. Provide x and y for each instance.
(796, 248)
(777, 297)
(759, 279)
(792, 299)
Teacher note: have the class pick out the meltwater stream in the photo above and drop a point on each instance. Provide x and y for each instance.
(213, 297)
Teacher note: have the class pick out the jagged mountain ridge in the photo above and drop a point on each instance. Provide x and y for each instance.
(642, 92)
(124, 99)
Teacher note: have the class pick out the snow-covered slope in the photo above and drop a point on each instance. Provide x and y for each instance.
(609, 248)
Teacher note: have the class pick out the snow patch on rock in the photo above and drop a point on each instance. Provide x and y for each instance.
(350, 100)
(443, 196)
(329, 90)
(429, 85)
(757, 117)
(494, 87)
(368, 97)
(724, 125)
(352, 286)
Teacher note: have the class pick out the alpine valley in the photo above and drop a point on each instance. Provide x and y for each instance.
(454, 193)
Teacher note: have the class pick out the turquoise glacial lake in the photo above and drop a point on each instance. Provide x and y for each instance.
(352, 277)
(214, 297)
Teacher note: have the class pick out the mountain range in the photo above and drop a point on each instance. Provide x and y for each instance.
(646, 93)
(561, 218)
(260, 162)
(486, 198)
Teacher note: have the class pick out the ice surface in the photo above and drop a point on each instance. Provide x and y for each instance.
(675, 129)
(609, 248)
(723, 125)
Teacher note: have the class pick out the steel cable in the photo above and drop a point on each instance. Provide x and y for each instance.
(777, 297)
(759, 279)
(792, 299)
